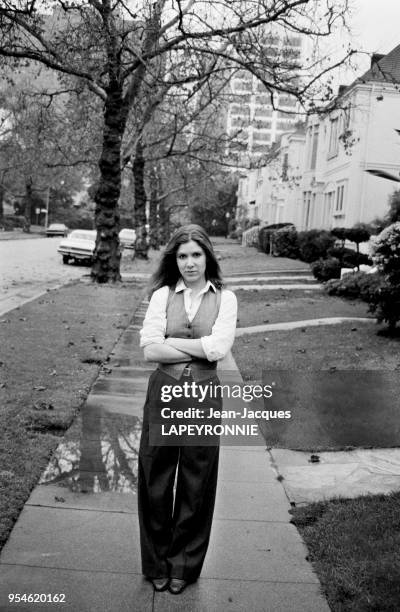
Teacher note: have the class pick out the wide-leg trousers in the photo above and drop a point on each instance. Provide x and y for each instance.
(174, 529)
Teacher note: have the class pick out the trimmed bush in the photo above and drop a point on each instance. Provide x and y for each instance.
(265, 236)
(325, 269)
(356, 285)
(285, 243)
(349, 258)
(314, 244)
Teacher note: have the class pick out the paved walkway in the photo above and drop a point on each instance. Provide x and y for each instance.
(78, 532)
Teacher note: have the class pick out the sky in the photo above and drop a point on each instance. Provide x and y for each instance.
(375, 27)
(376, 24)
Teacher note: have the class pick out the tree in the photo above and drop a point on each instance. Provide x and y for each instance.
(42, 150)
(111, 49)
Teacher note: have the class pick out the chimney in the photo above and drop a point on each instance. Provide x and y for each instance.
(376, 57)
(341, 90)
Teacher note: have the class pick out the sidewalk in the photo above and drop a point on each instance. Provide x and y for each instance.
(78, 533)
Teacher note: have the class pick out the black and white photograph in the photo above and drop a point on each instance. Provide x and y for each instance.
(200, 305)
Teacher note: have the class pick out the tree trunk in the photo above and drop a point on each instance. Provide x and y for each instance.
(1, 204)
(28, 205)
(107, 255)
(153, 210)
(163, 219)
(142, 246)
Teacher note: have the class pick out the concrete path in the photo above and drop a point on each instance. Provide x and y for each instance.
(78, 533)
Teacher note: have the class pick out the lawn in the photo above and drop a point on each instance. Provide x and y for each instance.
(277, 306)
(51, 352)
(353, 544)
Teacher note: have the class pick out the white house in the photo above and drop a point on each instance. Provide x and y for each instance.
(339, 170)
(350, 152)
(270, 191)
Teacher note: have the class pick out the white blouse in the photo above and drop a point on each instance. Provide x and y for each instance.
(217, 344)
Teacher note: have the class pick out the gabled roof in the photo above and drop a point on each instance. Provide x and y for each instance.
(385, 69)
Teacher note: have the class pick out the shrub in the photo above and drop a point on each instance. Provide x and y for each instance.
(339, 233)
(11, 222)
(325, 269)
(386, 255)
(314, 244)
(356, 285)
(265, 236)
(285, 243)
(349, 258)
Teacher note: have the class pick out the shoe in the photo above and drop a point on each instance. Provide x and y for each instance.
(160, 584)
(176, 586)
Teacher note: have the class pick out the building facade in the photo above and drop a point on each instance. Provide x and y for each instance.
(253, 120)
(345, 158)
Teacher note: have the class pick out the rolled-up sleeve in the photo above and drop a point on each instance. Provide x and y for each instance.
(155, 320)
(220, 341)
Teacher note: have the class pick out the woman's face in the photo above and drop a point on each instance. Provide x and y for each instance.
(191, 260)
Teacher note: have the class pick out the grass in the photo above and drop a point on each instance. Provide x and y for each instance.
(277, 306)
(52, 349)
(354, 546)
(346, 346)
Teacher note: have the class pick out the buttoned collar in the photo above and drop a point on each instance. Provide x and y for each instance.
(180, 286)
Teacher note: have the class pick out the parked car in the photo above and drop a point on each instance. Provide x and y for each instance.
(78, 246)
(127, 238)
(56, 229)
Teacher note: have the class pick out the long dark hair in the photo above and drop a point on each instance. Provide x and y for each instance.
(168, 273)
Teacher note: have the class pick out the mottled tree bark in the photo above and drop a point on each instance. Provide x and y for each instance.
(28, 205)
(140, 202)
(153, 209)
(1, 204)
(107, 253)
(163, 219)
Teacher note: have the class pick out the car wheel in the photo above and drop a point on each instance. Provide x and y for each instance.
(65, 259)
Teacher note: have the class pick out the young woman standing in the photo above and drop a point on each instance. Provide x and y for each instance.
(189, 325)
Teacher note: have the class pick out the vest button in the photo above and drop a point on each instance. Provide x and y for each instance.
(189, 326)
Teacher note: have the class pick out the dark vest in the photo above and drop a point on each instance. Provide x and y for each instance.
(179, 326)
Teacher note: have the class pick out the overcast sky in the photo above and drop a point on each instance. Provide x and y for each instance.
(376, 24)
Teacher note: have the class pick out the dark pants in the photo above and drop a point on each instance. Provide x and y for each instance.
(174, 531)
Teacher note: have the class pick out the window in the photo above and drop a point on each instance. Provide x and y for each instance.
(314, 147)
(334, 138)
(306, 208)
(329, 199)
(339, 203)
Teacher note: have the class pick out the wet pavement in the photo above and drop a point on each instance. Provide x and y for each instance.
(78, 532)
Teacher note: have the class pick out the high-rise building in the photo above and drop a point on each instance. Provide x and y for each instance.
(253, 122)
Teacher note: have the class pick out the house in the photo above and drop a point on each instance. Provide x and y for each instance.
(351, 151)
(270, 190)
(337, 171)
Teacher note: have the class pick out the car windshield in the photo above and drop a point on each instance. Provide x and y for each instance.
(83, 235)
(56, 226)
(127, 233)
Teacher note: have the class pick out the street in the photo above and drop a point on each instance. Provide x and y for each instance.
(29, 267)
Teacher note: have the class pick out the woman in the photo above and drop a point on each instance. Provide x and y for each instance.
(189, 325)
